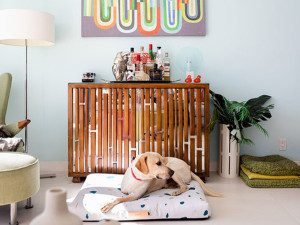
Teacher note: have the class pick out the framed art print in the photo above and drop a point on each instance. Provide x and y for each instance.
(136, 18)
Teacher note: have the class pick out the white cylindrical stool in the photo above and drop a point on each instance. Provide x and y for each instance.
(229, 154)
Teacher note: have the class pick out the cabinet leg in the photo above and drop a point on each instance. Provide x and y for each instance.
(76, 180)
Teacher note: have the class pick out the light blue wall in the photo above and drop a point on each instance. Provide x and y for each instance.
(251, 48)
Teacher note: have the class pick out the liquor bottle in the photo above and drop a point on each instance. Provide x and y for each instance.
(151, 52)
(137, 63)
(142, 74)
(155, 73)
(158, 59)
(143, 57)
(141, 66)
(167, 69)
(139, 70)
(150, 61)
(130, 66)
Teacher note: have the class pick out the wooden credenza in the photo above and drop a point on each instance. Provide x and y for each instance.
(110, 123)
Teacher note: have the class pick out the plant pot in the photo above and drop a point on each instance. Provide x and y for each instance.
(56, 210)
(229, 154)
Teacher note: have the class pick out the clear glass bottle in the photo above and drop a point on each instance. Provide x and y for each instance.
(138, 68)
(159, 60)
(130, 66)
(141, 66)
(142, 74)
(143, 56)
(167, 69)
(189, 72)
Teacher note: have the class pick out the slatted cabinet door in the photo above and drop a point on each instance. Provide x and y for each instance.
(109, 124)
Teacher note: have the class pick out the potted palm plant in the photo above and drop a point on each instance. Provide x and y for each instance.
(233, 118)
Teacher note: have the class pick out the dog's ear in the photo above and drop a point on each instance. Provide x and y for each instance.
(166, 160)
(141, 164)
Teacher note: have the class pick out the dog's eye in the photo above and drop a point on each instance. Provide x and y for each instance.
(158, 163)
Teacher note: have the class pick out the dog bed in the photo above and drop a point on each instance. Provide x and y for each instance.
(98, 189)
(274, 165)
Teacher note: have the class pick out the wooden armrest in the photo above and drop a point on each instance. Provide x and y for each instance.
(23, 123)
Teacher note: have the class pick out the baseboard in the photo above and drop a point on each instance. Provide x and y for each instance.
(213, 166)
(53, 166)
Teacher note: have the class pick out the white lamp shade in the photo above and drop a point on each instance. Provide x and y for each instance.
(20, 25)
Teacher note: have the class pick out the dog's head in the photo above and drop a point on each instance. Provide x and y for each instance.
(153, 165)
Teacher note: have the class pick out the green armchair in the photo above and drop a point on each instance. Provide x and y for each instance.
(14, 128)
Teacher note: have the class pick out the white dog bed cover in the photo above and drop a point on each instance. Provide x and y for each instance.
(99, 189)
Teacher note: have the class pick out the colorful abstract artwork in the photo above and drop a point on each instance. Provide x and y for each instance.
(117, 18)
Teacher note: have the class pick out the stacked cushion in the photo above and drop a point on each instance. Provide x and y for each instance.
(272, 171)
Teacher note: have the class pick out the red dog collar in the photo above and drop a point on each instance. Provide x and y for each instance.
(134, 175)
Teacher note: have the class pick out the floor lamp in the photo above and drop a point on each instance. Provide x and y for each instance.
(22, 27)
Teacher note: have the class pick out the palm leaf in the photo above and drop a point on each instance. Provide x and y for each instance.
(240, 115)
(257, 101)
(213, 120)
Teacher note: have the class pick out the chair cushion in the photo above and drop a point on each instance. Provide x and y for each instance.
(19, 175)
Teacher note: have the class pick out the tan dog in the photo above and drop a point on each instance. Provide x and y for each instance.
(150, 172)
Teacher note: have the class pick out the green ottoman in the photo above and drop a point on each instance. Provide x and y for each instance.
(19, 179)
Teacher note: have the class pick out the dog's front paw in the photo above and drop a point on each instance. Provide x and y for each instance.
(107, 207)
(180, 191)
(175, 193)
